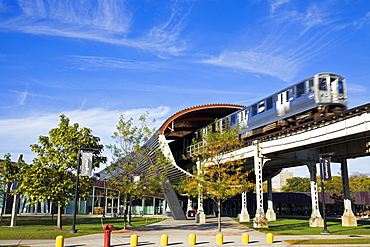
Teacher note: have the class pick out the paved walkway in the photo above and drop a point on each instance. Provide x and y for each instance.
(178, 232)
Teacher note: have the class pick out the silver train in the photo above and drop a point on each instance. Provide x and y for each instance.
(320, 95)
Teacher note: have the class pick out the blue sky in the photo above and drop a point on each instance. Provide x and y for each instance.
(95, 60)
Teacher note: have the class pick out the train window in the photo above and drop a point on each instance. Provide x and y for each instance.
(322, 84)
(289, 94)
(300, 89)
(261, 106)
(254, 110)
(269, 103)
(340, 86)
(311, 88)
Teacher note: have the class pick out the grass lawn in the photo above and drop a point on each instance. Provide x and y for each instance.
(329, 241)
(300, 226)
(38, 227)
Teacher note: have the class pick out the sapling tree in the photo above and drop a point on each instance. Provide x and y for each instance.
(217, 175)
(129, 152)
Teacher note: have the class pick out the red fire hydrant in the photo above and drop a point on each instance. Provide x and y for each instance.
(107, 231)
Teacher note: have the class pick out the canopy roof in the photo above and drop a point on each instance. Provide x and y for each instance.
(191, 119)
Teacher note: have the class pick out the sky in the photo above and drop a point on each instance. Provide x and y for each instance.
(96, 60)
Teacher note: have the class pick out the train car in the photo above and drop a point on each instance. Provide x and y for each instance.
(320, 95)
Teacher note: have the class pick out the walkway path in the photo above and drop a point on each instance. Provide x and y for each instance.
(178, 232)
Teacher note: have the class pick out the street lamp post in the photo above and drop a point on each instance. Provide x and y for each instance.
(77, 182)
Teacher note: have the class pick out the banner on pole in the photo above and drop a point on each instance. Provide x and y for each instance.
(325, 163)
(14, 185)
(86, 166)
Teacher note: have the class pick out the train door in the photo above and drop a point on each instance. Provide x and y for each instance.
(243, 118)
(337, 90)
(334, 89)
(282, 103)
(324, 91)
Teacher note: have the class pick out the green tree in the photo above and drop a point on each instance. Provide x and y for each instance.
(217, 176)
(129, 152)
(3, 178)
(52, 173)
(297, 184)
(8, 172)
(359, 181)
(335, 189)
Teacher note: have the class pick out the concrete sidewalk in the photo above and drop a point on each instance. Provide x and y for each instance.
(178, 232)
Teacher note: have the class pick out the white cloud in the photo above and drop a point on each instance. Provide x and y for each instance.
(23, 95)
(97, 63)
(352, 87)
(291, 38)
(106, 21)
(180, 90)
(276, 4)
(18, 134)
(362, 21)
(257, 62)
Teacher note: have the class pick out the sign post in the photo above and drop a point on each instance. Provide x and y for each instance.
(87, 154)
(325, 175)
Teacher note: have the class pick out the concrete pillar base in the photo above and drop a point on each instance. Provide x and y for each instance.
(349, 220)
(260, 222)
(244, 217)
(202, 218)
(316, 222)
(271, 216)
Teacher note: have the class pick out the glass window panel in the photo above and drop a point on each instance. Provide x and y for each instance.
(340, 86)
(269, 103)
(254, 110)
(300, 89)
(322, 84)
(311, 87)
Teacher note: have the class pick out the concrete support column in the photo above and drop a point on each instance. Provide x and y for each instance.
(244, 215)
(168, 210)
(316, 220)
(190, 204)
(348, 218)
(270, 214)
(260, 220)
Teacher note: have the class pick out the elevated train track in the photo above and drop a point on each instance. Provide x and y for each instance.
(325, 119)
(338, 129)
(272, 131)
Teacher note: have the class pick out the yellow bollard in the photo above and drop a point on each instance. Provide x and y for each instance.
(219, 239)
(245, 238)
(269, 238)
(134, 240)
(164, 240)
(192, 239)
(59, 241)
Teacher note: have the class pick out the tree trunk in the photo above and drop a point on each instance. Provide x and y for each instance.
(59, 219)
(219, 214)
